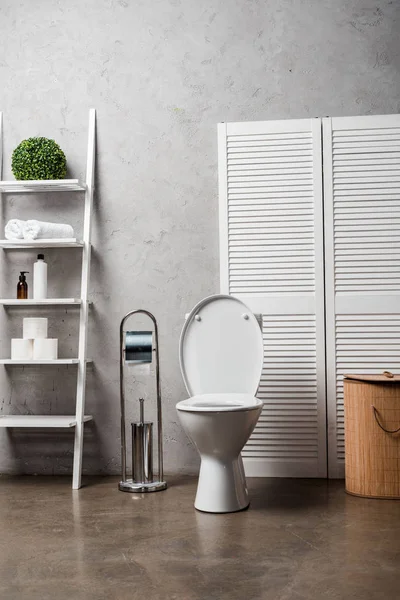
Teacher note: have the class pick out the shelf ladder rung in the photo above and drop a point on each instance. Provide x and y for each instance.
(42, 185)
(47, 421)
(45, 302)
(28, 363)
(43, 243)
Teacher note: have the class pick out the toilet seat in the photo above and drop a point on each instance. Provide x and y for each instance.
(221, 348)
(219, 403)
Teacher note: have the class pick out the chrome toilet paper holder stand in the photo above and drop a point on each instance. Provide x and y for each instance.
(142, 433)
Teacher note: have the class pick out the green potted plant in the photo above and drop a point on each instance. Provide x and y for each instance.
(38, 158)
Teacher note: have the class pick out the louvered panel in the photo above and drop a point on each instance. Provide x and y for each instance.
(364, 345)
(362, 233)
(360, 180)
(370, 204)
(255, 178)
(281, 135)
(266, 162)
(362, 130)
(289, 171)
(264, 197)
(271, 226)
(250, 223)
(369, 230)
(288, 427)
(271, 215)
(270, 210)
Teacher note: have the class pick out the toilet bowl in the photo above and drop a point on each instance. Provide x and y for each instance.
(221, 358)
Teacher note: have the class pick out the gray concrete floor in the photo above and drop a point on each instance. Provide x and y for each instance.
(300, 539)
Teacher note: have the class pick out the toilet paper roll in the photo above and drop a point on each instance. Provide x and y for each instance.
(34, 328)
(45, 349)
(21, 349)
(138, 346)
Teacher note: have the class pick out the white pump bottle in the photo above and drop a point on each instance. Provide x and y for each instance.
(40, 278)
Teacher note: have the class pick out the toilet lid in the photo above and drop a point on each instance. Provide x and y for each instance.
(221, 348)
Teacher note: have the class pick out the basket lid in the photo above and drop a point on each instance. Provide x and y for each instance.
(385, 377)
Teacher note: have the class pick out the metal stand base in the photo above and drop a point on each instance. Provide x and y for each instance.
(131, 486)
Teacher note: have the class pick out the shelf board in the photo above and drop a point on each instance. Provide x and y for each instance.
(58, 361)
(54, 243)
(46, 302)
(40, 420)
(45, 185)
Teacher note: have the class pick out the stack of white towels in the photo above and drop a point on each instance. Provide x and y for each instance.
(34, 344)
(37, 230)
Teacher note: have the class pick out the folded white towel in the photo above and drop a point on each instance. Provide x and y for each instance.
(14, 230)
(40, 230)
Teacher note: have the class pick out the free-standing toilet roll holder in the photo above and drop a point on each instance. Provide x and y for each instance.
(136, 347)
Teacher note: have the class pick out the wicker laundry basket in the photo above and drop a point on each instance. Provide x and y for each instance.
(372, 435)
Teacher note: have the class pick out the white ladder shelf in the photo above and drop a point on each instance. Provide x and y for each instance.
(63, 185)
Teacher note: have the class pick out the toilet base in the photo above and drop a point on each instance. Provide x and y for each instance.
(222, 486)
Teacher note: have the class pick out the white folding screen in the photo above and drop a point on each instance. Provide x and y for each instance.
(271, 250)
(362, 237)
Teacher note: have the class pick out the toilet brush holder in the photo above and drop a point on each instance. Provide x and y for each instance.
(136, 348)
(142, 449)
(142, 453)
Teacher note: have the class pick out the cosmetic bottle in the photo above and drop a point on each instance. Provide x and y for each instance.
(22, 287)
(40, 278)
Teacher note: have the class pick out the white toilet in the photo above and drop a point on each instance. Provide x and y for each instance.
(221, 358)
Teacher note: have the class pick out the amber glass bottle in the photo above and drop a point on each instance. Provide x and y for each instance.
(22, 287)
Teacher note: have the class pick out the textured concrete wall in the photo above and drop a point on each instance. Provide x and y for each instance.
(161, 74)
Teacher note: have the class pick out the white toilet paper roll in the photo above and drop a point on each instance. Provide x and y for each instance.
(21, 349)
(45, 349)
(34, 328)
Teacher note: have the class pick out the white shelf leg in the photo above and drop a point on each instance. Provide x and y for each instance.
(83, 323)
(1, 145)
(1, 167)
